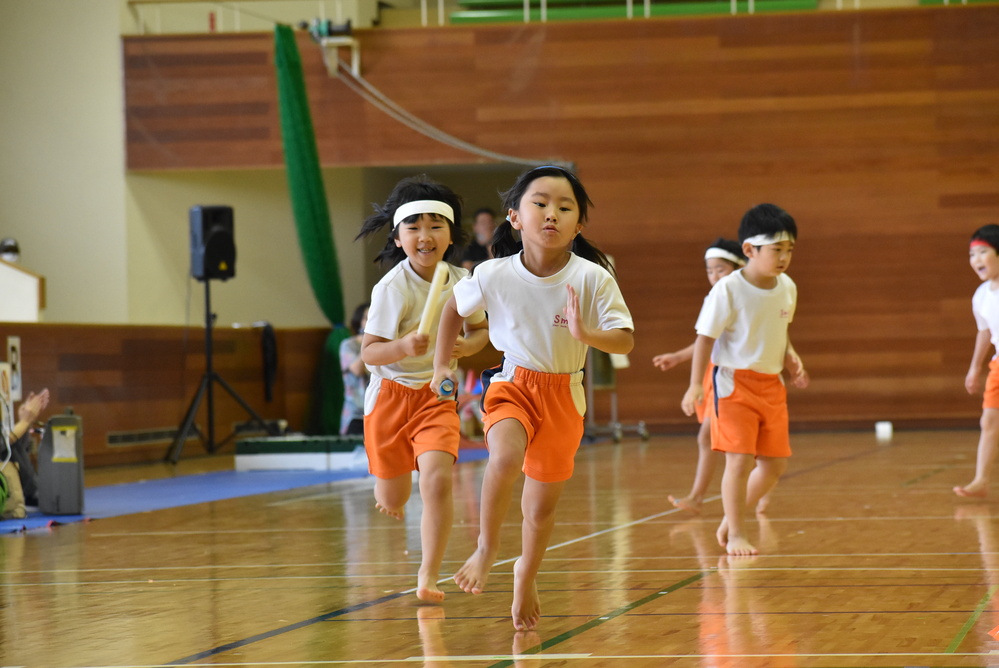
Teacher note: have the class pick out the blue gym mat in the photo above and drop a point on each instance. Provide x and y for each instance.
(149, 495)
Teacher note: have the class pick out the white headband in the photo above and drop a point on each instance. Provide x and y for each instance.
(766, 239)
(722, 254)
(422, 206)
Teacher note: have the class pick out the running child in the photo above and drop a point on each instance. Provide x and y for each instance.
(721, 258)
(549, 297)
(406, 428)
(742, 330)
(985, 307)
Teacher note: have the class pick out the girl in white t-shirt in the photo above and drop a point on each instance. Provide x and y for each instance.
(550, 295)
(406, 428)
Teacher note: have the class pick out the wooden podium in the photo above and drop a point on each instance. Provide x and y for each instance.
(22, 294)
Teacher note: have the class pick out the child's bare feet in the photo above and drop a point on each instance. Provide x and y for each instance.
(427, 589)
(973, 491)
(722, 533)
(691, 503)
(526, 609)
(397, 513)
(471, 577)
(740, 547)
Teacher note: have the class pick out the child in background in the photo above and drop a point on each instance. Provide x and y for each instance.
(985, 307)
(742, 330)
(549, 297)
(721, 258)
(355, 375)
(406, 428)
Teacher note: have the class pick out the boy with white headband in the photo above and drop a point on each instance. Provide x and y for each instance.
(742, 329)
(984, 258)
(721, 258)
(406, 428)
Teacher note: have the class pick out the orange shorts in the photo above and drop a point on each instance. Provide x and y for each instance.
(992, 386)
(404, 424)
(543, 404)
(749, 413)
(709, 396)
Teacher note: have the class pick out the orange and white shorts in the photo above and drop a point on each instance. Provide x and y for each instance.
(749, 413)
(991, 399)
(403, 424)
(550, 407)
(709, 397)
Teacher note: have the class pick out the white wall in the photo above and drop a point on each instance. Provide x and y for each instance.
(114, 246)
(270, 281)
(62, 153)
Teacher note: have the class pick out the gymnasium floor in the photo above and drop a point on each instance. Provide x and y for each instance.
(868, 560)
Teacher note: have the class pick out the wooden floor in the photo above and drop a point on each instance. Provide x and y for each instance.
(868, 560)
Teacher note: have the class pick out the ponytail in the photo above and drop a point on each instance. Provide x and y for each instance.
(505, 242)
(588, 251)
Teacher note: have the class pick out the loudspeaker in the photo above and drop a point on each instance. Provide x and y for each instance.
(213, 251)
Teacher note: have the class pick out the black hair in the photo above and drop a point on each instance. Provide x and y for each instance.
(766, 219)
(355, 320)
(505, 242)
(733, 247)
(484, 209)
(989, 234)
(412, 189)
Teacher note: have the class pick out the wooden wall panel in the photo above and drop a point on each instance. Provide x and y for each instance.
(129, 381)
(877, 130)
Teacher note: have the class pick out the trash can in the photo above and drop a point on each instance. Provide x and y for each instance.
(60, 465)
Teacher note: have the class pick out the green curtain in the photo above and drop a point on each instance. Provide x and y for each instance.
(312, 220)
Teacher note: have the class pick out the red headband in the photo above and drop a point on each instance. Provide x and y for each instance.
(979, 242)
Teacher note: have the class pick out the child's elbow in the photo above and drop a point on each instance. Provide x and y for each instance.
(627, 341)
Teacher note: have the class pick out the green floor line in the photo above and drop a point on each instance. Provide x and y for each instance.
(979, 609)
(606, 618)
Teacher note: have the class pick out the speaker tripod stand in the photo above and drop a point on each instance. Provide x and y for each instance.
(208, 379)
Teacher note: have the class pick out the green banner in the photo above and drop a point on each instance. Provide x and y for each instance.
(312, 220)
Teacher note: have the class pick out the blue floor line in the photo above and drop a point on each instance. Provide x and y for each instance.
(159, 494)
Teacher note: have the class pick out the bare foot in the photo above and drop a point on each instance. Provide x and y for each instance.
(526, 609)
(471, 577)
(688, 503)
(722, 533)
(397, 513)
(428, 591)
(972, 491)
(740, 547)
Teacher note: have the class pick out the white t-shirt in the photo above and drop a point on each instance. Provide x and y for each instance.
(985, 307)
(749, 324)
(396, 307)
(526, 318)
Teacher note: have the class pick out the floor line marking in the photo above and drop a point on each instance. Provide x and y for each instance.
(672, 511)
(979, 609)
(597, 621)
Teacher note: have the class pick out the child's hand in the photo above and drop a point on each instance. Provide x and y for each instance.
(796, 369)
(693, 397)
(415, 344)
(572, 314)
(972, 382)
(459, 348)
(440, 375)
(666, 361)
(801, 378)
